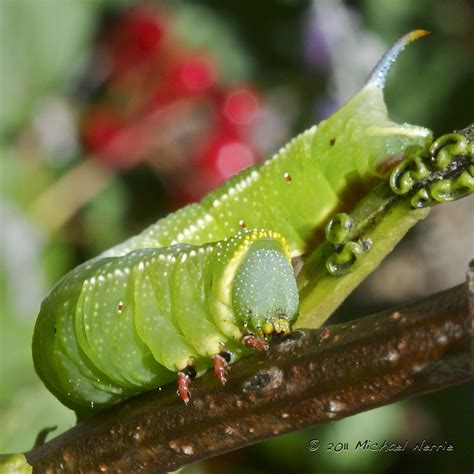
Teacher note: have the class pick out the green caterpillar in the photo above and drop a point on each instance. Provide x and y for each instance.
(162, 311)
(181, 295)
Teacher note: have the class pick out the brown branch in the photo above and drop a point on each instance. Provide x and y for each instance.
(307, 378)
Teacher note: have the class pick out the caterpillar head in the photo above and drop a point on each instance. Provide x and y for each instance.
(264, 295)
(254, 290)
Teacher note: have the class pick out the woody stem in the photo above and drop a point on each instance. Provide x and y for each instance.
(308, 377)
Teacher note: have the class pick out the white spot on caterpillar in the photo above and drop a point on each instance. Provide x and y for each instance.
(287, 177)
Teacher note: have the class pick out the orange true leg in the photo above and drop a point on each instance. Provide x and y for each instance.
(254, 342)
(220, 362)
(184, 383)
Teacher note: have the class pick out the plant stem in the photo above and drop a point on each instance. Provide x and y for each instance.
(382, 219)
(309, 377)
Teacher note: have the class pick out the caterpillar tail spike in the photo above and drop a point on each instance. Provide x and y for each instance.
(379, 74)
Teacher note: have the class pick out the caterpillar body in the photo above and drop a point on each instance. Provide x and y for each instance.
(162, 311)
(301, 186)
(184, 294)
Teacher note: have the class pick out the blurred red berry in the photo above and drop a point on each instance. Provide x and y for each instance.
(142, 28)
(99, 129)
(196, 74)
(193, 75)
(226, 154)
(241, 106)
(136, 37)
(149, 76)
(232, 157)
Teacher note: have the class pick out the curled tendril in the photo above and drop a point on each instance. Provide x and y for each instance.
(452, 189)
(407, 173)
(345, 261)
(420, 199)
(338, 228)
(415, 169)
(446, 147)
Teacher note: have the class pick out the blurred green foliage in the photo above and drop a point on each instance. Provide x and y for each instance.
(39, 47)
